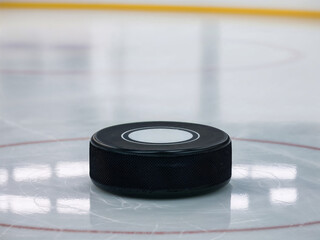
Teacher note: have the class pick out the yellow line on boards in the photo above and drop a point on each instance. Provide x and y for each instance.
(162, 8)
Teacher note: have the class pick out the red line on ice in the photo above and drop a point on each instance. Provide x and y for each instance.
(86, 138)
(162, 232)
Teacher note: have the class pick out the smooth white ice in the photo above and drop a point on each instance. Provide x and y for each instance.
(66, 74)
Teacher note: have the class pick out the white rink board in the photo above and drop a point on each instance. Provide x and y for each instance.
(273, 4)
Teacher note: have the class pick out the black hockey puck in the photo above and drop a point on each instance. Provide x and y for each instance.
(160, 159)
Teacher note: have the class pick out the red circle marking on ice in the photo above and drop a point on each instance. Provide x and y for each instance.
(297, 225)
(162, 232)
(43, 141)
(233, 138)
(294, 55)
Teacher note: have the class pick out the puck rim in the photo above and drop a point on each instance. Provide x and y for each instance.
(160, 173)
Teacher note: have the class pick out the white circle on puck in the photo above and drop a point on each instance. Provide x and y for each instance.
(160, 135)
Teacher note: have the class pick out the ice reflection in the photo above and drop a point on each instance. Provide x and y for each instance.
(44, 171)
(73, 205)
(283, 195)
(24, 205)
(240, 171)
(72, 169)
(4, 204)
(280, 171)
(239, 201)
(3, 176)
(202, 212)
(32, 172)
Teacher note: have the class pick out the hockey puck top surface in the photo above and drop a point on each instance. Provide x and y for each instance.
(160, 158)
(160, 138)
